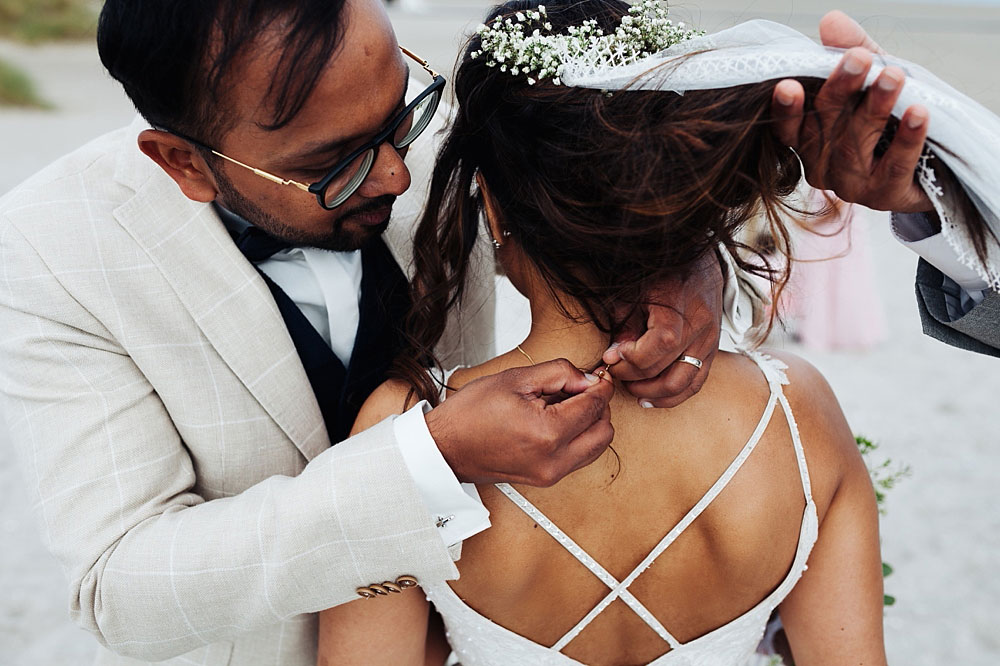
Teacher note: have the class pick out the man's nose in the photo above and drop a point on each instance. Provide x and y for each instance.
(389, 175)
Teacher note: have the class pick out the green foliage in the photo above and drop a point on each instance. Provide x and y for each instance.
(46, 20)
(884, 477)
(16, 89)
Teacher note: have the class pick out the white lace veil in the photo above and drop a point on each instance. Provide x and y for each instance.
(758, 51)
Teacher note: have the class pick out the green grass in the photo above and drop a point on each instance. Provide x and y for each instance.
(36, 21)
(16, 89)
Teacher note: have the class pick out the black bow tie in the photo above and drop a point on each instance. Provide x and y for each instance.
(256, 245)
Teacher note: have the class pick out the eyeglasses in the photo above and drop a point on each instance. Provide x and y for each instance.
(348, 174)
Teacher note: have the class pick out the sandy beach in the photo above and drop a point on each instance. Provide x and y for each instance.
(929, 406)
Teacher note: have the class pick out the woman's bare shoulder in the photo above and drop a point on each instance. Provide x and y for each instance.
(827, 439)
(393, 397)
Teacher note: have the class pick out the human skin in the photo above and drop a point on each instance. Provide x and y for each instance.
(311, 142)
(556, 435)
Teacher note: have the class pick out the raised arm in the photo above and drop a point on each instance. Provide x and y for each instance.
(956, 304)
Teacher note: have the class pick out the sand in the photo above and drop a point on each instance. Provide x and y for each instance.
(930, 406)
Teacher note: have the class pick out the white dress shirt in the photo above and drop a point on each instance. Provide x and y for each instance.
(963, 287)
(326, 286)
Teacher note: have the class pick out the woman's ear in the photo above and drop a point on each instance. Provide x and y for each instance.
(492, 216)
(181, 162)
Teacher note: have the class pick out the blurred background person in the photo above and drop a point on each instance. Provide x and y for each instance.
(831, 301)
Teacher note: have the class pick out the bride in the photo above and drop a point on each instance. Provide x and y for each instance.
(679, 543)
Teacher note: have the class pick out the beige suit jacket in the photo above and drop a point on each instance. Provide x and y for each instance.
(179, 462)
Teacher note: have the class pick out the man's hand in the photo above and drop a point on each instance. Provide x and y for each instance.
(529, 425)
(839, 152)
(686, 320)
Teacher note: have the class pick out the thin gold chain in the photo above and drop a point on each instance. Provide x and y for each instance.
(602, 374)
(526, 355)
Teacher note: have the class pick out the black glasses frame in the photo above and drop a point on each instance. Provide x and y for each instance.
(319, 187)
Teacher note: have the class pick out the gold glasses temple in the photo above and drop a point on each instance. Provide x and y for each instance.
(263, 174)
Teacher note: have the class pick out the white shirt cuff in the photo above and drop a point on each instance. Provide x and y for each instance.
(936, 252)
(455, 507)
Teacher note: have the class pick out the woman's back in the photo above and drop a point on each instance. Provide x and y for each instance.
(725, 562)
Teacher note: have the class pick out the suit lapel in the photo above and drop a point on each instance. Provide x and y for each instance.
(227, 299)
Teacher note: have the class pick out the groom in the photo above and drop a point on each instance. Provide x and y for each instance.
(179, 350)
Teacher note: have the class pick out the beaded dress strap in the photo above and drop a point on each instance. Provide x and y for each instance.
(713, 492)
(774, 371)
(586, 560)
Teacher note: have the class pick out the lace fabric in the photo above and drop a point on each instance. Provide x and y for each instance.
(759, 50)
(478, 641)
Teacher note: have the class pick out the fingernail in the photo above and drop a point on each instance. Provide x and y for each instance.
(646, 404)
(593, 379)
(853, 65)
(611, 355)
(916, 120)
(888, 82)
(783, 97)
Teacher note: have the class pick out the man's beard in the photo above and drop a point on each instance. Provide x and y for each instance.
(338, 239)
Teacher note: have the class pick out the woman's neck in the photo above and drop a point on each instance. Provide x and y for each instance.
(554, 335)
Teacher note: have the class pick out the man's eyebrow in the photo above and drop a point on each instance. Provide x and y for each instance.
(319, 148)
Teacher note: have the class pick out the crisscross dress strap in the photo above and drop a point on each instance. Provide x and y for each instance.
(620, 589)
(586, 560)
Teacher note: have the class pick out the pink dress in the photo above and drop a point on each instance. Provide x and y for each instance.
(832, 297)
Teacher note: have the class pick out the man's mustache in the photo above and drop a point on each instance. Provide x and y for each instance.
(386, 201)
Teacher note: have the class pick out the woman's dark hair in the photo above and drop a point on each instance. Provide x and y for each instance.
(174, 57)
(607, 194)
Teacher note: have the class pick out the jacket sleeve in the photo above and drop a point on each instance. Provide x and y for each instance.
(978, 330)
(155, 570)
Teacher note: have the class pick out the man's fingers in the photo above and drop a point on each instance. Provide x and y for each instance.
(845, 81)
(678, 382)
(839, 30)
(869, 124)
(654, 350)
(555, 378)
(787, 104)
(897, 166)
(577, 413)
(591, 443)
(672, 382)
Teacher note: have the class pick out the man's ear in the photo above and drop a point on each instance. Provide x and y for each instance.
(492, 218)
(180, 161)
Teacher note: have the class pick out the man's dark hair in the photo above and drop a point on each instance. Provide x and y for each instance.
(174, 57)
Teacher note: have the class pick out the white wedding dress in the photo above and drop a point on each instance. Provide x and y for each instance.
(478, 641)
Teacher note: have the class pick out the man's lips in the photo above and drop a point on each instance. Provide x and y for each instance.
(371, 218)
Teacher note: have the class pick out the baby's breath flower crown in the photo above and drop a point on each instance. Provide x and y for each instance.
(645, 30)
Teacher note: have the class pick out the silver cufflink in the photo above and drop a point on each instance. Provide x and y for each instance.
(442, 521)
